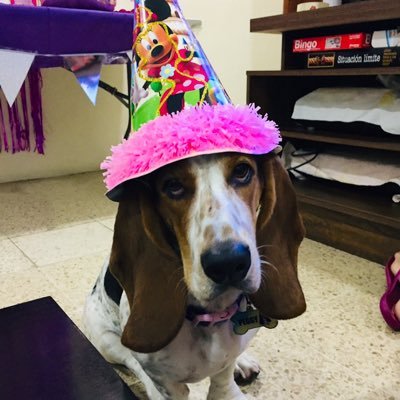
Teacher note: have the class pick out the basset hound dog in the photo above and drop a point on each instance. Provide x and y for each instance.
(196, 243)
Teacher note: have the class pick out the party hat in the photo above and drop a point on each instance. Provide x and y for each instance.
(179, 106)
(171, 70)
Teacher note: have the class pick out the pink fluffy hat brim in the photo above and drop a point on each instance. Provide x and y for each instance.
(192, 132)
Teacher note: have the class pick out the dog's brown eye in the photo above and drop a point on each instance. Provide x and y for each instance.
(242, 174)
(174, 189)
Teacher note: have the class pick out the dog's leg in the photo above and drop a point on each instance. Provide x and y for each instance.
(246, 369)
(109, 345)
(171, 390)
(224, 387)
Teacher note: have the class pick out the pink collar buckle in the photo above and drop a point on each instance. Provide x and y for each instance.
(213, 318)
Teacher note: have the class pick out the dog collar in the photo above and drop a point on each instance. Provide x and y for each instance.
(242, 320)
(199, 316)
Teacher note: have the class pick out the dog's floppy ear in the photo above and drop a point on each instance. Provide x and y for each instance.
(279, 233)
(149, 271)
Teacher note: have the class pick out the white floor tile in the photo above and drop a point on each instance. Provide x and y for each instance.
(77, 275)
(63, 244)
(45, 204)
(12, 259)
(19, 287)
(108, 222)
(339, 349)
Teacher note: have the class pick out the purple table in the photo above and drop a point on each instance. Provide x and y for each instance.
(51, 32)
(44, 356)
(56, 31)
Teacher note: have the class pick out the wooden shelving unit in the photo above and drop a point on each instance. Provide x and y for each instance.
(347, 14)
(387, 142)
(329, 72)
(362, 221)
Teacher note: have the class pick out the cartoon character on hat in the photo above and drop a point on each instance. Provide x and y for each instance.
(170, 69)
(161, 58)
(179, 107)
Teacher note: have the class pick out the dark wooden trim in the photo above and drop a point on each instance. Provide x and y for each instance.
(353, 235)
(351, 201)
(379, 142)
(365, 11)
(329, 72)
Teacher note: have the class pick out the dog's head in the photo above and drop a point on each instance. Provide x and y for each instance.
(205, 230)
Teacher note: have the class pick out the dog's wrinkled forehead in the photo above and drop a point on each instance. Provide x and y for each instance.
(196, 189)
(216, 186)
(227, 197)
(197, 174)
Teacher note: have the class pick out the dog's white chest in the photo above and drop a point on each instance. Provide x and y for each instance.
(196, 353)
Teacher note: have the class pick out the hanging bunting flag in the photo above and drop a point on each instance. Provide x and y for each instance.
(14, 67)
(87, 71)
(130, 54)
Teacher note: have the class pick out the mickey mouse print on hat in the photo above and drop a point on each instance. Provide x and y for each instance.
(179, 107)
(170, 68)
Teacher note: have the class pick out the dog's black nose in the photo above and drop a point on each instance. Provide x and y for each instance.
(227, 262)
(157, 50)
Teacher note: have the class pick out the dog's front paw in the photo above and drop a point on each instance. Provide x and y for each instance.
(230, 393)
(246, 370)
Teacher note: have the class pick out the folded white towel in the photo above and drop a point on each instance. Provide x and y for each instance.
(361, 170)
(378, 106)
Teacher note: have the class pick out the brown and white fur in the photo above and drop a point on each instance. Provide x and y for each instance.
(173, 232)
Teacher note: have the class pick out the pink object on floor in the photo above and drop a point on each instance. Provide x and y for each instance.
(391, 297)
(192, 132)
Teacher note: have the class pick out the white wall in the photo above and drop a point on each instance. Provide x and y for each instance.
(78, 135)
(227, 41)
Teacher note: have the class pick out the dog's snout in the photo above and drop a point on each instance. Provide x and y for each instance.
(157, 50)
(227, 262)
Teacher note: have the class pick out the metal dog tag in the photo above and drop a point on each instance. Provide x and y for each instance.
(243, 321)
(251, 319)
(269, 323)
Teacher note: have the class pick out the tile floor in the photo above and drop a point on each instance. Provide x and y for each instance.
(55, 234)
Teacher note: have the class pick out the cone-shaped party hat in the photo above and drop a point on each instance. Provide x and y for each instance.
(179, 107)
